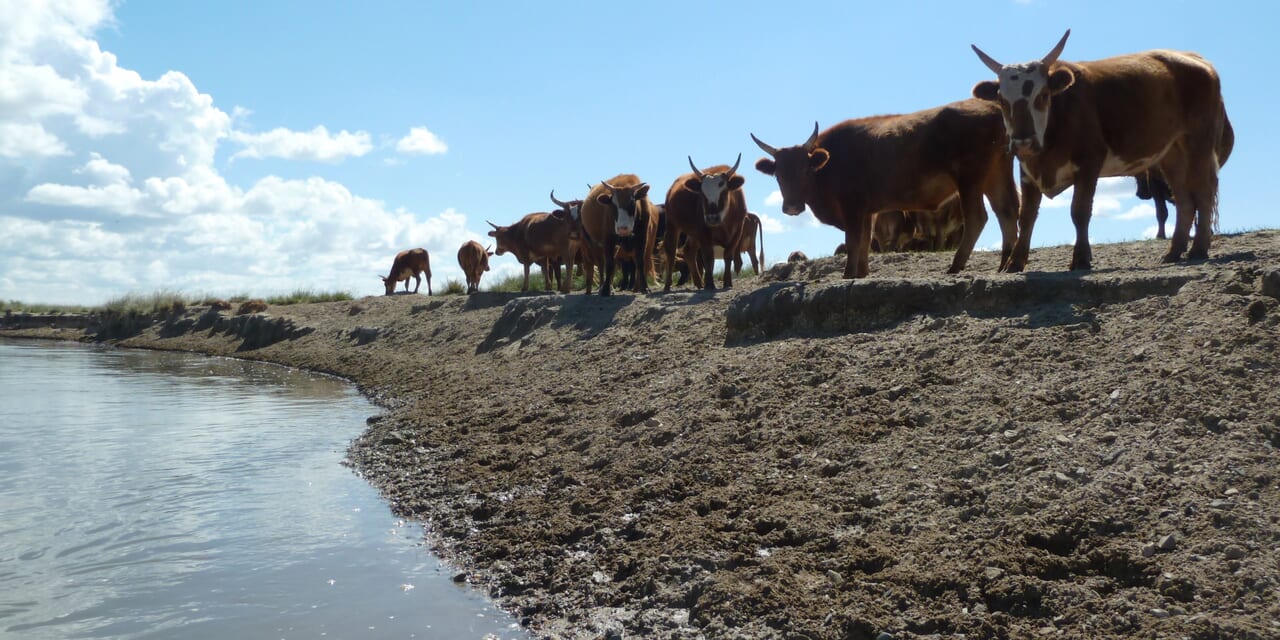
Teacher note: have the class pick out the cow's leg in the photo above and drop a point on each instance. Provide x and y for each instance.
(642, 262)
(857, 238)
(1162, 216)
(975, 218)
(524, 285)
(669, 253)
(428, 284)
(1028, 211)
(1003, 196)
(707, 263)
(606, 276)
(1085, 185)
(1174, 169)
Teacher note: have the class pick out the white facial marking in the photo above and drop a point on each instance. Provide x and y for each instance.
(574, 211)
(626, 222)
(1019, 85)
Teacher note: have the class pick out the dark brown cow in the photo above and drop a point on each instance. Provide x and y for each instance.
(914, 161)
(619, 208)
(1072, 122)
(538, 238)
(408, 264)
(708, 207)
(474, 260)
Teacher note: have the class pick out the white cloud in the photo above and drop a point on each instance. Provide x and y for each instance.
(421, 141)
(111, 183)
(27, 140)
(317, 144)
(774, 199)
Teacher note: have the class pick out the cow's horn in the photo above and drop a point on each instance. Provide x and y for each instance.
(558, 203)
(736, 163)
(987, 60)
(695, 168)
(1057, 51)
(813, 138)
(493, 225)
(611, 187)
(767, 149)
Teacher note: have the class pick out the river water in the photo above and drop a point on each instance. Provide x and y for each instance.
(160, 495)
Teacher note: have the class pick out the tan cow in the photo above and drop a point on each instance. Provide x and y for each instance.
(619, 208)
(474, 260)
(1071, 123)
(708, 207)
(408, 264)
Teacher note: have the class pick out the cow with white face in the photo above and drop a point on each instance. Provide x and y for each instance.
(709, 208)
(1070, 123)
(619, 208)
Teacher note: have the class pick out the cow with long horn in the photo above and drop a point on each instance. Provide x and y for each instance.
(708, 207)
(1071, 123)
(857, 168)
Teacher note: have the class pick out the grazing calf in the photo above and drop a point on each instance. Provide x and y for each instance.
(408, 264)
(474, 260)
(1071, 123)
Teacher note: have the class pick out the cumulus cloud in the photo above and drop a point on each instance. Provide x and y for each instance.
(317, 144)
(111, 185)
(421, 141)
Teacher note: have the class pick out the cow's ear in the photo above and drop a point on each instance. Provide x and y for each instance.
(604, 198)
(818, 159)
(765, 166)
(642, 190)
(1060, 80)
(736, 182)
(693, 184)
(493, 234)
(987, 90)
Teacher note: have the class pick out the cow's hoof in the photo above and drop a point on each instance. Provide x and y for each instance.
(1080, 266)
(1169, 258)
(1196, 254)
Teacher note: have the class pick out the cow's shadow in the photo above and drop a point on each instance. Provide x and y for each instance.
(588, 315)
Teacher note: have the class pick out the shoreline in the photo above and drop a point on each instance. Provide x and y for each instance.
(799, 457)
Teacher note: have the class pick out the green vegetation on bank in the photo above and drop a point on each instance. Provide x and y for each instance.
(164, 301)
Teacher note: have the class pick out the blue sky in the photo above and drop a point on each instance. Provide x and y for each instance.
(258, 147)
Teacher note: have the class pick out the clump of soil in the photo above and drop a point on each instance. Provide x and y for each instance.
(1058, 454)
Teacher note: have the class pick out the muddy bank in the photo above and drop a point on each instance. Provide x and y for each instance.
(916, 454)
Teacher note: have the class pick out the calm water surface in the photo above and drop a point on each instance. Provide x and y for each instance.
(154, 495)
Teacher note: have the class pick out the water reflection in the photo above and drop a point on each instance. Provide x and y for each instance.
(141, 492)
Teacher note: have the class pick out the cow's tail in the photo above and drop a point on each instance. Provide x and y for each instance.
(1226, 141)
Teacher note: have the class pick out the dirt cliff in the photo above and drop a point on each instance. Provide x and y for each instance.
(915, 454)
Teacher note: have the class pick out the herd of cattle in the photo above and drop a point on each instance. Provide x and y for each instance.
(911, 181)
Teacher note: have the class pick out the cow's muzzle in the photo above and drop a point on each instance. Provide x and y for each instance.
(1022, 146)
(792, 209)
(623, 231)
(711, 220)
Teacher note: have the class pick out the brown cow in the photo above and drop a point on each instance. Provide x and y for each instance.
(408, 264)
(571, 211)
(541, 238)
(891, 231)
(619, 208)
(474, 260)
(708, 207)
(913, 161)
(1071, 123)
(938, 230)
